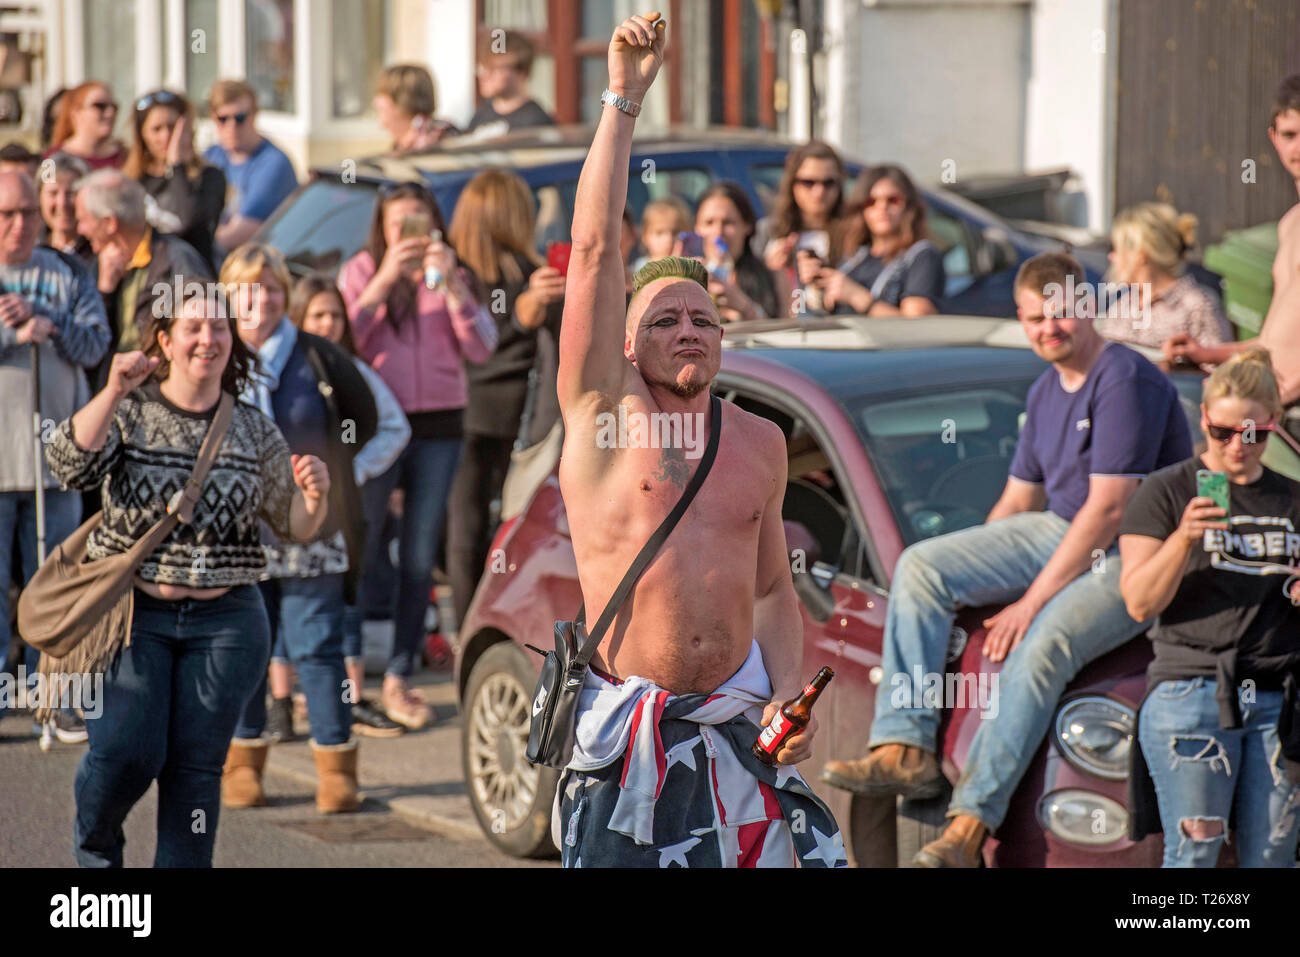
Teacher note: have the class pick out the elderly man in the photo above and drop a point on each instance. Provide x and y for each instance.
(48, 298)
(139, 269)
(709, 642)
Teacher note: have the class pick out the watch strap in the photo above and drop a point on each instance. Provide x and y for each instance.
(610, 98)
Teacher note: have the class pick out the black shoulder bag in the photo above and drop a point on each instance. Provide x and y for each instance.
(555, 703)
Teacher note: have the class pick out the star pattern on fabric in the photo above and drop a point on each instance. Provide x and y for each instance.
(676, 853)
(784, 773)
(682, 753)
(829, 849)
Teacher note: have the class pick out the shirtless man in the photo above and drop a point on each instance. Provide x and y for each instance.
(1281, 330)
(719, 591)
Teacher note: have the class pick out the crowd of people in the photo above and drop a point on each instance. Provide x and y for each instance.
(384, 404)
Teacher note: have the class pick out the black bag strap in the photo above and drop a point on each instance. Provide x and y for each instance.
(655, 543)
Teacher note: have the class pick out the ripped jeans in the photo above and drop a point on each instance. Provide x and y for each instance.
(1204, 772)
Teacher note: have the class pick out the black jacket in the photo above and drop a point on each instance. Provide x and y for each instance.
(354, 420)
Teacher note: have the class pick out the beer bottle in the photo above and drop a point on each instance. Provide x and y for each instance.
(790, 720)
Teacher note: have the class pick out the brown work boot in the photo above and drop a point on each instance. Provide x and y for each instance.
(888, 769)
(241, 778)
(957, 846)
(336, 766)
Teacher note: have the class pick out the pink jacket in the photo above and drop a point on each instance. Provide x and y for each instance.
(423, 362)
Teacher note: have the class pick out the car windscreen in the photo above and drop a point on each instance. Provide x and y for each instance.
(324, 224)
(942, 457)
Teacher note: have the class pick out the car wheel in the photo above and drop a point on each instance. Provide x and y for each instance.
(920, 821)
(511, 798)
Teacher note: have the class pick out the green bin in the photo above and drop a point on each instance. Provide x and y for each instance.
(1245, 261)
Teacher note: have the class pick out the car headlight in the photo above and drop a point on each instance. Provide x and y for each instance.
(1095, 735)
(1082, 817)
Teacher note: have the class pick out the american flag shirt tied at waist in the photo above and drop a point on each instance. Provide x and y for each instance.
(659, 780)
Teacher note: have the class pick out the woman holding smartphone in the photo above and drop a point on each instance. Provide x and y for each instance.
(1219, 730)
(798, 238)
(415, 319)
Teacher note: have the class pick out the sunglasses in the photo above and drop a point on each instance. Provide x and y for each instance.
(810, 183)
(104, 106)
(236, 118)
(895, 201)
(157, 98)
(1224, 433)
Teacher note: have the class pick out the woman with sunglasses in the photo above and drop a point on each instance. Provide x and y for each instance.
(1219, 729)
(84, 128)
(892, 269)
(416, 318)
(809, 202)
(162, 158)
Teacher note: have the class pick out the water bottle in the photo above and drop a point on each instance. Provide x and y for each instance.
(432, 275)
(720, 265)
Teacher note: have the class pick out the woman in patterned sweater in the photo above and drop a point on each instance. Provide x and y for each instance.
(199, 637)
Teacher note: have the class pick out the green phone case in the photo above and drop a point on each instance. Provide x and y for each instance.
(1213, 485)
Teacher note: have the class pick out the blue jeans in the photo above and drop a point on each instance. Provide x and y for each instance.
(987, 565)
(424, 473)
(1202, 771)
(306, 616)
(18, 518)
(171, 700)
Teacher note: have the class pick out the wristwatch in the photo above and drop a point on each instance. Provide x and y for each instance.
(611, 98)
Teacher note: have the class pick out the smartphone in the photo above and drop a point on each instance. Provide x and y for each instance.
(815, 241)
(414, 226)
(1213, 485)
(692, 245)
(557, 256)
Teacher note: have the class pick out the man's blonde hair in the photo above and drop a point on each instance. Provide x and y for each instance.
(230, 91)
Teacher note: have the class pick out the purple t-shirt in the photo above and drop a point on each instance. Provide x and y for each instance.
(1124, 421)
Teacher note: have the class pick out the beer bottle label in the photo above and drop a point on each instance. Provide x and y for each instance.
(810, 689)
(774, 733)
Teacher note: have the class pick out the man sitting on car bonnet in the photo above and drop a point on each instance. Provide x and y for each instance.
(1096, 423)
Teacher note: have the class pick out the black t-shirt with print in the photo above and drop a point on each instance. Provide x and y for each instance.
(1231, 592)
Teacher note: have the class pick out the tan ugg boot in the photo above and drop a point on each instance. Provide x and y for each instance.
(241, 778)
(336, 766)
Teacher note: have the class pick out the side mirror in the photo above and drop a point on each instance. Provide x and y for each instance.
(814, 589)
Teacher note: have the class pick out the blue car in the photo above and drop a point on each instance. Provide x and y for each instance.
(326, 220)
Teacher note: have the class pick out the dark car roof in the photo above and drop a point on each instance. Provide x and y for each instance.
(854, 356)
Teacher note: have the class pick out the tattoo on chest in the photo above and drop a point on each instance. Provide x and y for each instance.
(673, 467)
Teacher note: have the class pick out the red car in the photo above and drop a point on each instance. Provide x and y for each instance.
(896, 430)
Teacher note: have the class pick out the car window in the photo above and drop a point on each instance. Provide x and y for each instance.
(943, 457)
(952, 238)
(645, 183)
(325, 224)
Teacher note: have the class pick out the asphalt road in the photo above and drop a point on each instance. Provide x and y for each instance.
(36, 812)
